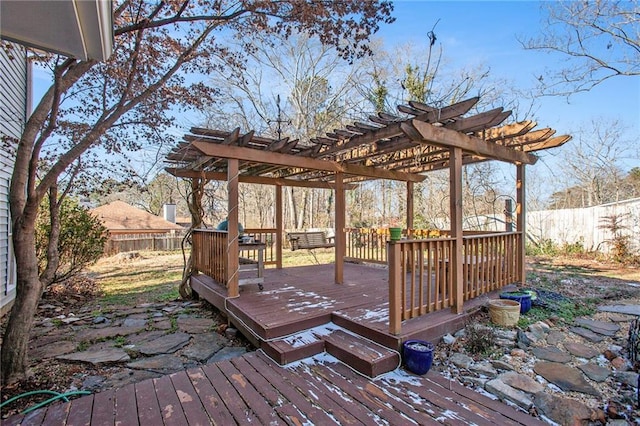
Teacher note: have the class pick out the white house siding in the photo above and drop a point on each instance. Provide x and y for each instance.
(14, 105)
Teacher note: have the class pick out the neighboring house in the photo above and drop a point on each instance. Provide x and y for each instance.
(132, 229)
(121, 218)
(14, 109)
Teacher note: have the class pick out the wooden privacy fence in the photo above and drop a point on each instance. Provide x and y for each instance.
(420, 277)
(133, 242)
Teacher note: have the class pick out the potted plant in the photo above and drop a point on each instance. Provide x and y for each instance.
(395, 230)
(522, 297)
(418, 356)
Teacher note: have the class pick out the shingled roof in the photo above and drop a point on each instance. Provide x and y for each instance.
(120, 217)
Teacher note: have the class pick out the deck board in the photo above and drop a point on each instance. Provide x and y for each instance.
(80, 411)
(147, 403)
(191, 406)
(103, 408)
(241, 412)
(254, 389)
(211, 400)
(126, 408)
(170, 407)
(251, 396)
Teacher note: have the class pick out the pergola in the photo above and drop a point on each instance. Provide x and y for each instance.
(402, 147)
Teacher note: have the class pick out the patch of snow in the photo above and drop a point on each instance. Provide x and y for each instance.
(398, 376)
(555, 388)
(311, 335)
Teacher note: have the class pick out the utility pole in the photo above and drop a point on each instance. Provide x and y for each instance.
(279, 120)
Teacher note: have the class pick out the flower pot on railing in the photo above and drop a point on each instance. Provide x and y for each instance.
(418, 356)
(395, 234)
(524, 298)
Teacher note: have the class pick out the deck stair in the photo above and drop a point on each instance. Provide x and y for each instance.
(363, 355)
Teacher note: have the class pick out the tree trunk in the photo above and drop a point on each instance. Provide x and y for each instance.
(29, 290)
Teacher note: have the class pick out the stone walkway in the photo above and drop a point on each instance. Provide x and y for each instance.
(569, 375)
(566, 374)
(133, 344)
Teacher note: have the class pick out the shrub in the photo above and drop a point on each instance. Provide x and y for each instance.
(479, 340)
(81, 242)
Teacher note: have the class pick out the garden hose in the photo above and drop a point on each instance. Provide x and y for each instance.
(57, 395)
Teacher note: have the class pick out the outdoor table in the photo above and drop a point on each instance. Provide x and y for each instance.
(254, 265)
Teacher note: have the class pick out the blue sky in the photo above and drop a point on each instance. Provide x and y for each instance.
(485, 32)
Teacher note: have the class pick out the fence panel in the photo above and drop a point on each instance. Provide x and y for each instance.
(156, 242)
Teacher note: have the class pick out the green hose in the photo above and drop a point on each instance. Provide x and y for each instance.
(57, 396)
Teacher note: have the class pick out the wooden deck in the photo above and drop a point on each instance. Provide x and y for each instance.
(282, 319)
(253, 389)
(299, 298)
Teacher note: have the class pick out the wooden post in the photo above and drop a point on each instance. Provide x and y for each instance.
(410, 207)
(395, 281)
(455, 212)
(521, 210)
(279, 229)
(508, 215)
(233, 261)
(340, 238)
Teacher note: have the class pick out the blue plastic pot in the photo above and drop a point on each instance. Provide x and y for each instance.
(418, 356)
(523, 298)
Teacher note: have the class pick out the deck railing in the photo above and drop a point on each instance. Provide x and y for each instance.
(209, 253)
(268, 237)
(420, 277)
(489, 262)
(370, 244)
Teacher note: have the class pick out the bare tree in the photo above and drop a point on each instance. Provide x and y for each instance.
(595, 41)
(593, 172)
(127, 99)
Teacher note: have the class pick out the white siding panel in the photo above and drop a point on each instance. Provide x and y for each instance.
(13, 114)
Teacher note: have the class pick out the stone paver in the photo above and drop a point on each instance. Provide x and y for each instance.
(106, 333)
(521, 382)
(163, 364)
(506, 392)
(580, 350)
(567, 411)
(165, 344)
(565, 377)
(595, 372)
(195, 325)
(227, 353)
(551, 353)
(627, 377)
(601, 327)
(587, 334)
(621, 309)
(98, 357)
(203, 346)
(53, 350)
(555, 337)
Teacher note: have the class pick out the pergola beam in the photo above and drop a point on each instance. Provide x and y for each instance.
(439, 136)
(261, 180)
(253, 155)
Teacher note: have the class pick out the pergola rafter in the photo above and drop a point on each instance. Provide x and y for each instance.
(397, 147)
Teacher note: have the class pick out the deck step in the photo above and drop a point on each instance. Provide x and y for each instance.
(298, 346)
(365, 356)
